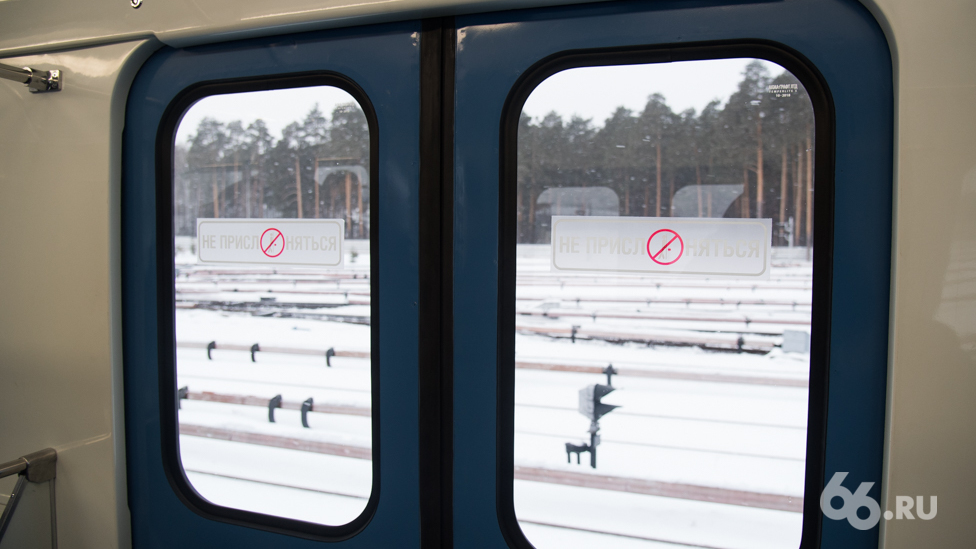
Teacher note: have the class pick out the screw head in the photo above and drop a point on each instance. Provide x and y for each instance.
(135, 3)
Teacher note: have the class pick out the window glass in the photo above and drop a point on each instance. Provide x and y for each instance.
(663, 306)
(271, 229)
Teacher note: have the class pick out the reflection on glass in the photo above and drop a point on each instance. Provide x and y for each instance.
(661, 408)
(272, 258)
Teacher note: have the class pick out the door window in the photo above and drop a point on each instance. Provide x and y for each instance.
(663, 298)
(271, 242)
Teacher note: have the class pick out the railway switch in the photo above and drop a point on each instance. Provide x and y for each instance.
(306, 408)
(272, 404)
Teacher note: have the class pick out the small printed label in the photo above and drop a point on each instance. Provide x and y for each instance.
(662, 245)
(271, 241)
(783, 90)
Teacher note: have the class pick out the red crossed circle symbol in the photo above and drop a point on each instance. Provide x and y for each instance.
(654, 256)
(269, 238)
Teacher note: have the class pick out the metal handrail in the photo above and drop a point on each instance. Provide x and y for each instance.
(37, 80)
(38, 466)
(33, 470)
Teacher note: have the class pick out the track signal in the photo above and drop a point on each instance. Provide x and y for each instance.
(591, 407)
(589, 401)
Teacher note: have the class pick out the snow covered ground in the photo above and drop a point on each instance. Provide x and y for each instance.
(709, 401)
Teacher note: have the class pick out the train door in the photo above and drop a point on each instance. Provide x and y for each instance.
(270, 198)
(670, 313)
(336, 331)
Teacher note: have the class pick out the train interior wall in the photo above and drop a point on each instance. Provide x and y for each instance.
(60, 325)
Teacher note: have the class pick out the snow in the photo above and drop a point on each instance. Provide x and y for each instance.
(681, 521)
(748, 435)
(277, 481)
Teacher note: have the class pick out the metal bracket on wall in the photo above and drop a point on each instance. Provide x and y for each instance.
(37, 81)
(32, 499)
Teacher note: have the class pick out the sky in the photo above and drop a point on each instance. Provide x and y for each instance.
(595, 92)
(590, 92)
(277, 108)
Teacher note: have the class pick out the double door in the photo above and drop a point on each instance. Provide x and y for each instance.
(401, 285)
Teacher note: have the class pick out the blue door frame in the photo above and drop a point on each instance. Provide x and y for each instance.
(842, 42)
(384, 62)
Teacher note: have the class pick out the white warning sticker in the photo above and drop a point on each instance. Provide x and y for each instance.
(662, 245)
(271, 241)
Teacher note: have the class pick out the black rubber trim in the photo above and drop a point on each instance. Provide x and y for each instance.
(824, 121)
(165, 276)
(436, 383)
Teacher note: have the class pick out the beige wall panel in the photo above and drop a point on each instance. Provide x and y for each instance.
(932, 390)
(25, 27)
(59, 284)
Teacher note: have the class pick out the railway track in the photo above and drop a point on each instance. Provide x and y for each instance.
(188, 288)
(364, 411)
(594, 314)
(248, 400)
(267, 482)
(274, 441)
(732, 343)
(675, 301)
(309, 311)
(274, 277)
(658, 285)
(533, 474)
(195, 290)
(668, 374)
(287, 310)
(617, 534)
(526, 365)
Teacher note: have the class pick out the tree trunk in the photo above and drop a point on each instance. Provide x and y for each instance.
(657, 200)
(520, 200)
(237, 189)
(359, 225)
(759, 170)
(260, 195)
(216, 193)
(298, 187)
(248, 188)
(348, 204)
(532, 216)
(222, 192)
(333, 192)
(782, 188)
(809, 231)
(698, 186)
(797, 194)
(626, 201)
(670, 209)
(315, 185)
(745, 210)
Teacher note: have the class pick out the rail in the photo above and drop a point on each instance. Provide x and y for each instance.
(716, 377)
(693, 492)
(33, 495)
(36, 80)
